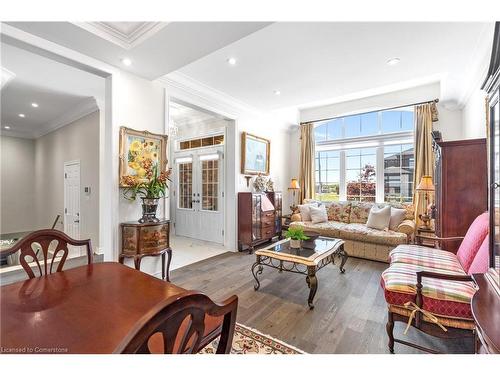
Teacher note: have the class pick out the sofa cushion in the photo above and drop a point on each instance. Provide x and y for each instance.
(327, 229)
(379, 217)
(481, 261)
(408, 207)
(305, 212)
(360, 232)
(473, 239)
(426, 257)
(318, 214)
(398, 215)
(339, 211)
(441, 297)
(359, 212)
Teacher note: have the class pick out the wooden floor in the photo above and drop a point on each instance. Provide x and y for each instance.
(349, 314)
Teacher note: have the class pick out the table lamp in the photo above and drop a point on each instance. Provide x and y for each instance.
(294, 187)
(425, 186)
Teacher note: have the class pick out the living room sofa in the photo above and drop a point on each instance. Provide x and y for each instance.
(347, 221)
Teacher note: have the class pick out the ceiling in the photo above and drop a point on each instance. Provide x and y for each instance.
(315, 63)
(154, 48)
(59, 90)
(183, 115)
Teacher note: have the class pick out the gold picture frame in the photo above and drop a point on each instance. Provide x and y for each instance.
(255, 154)
(137, 146)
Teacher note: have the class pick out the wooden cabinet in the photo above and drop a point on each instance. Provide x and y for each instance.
(259, 218)
(146, 239)
(461, 183)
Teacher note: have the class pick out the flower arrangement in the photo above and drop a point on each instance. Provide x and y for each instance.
(152, 184)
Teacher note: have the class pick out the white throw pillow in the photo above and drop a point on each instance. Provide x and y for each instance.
(304, 211)
(379, 217)
(318, 214)
(397, 217)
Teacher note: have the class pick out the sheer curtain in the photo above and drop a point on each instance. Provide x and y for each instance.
(306, 177)
(424, 157)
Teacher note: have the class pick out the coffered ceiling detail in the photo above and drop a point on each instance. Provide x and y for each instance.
(124, 34)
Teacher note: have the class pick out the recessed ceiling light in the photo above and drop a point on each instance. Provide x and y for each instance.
(6, 127)
(21, 115)
(34, 105)
(277, 92)
(231, 61)
(393, 61)
(126, 61)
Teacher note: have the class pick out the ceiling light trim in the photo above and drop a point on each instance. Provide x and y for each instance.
(127, 41)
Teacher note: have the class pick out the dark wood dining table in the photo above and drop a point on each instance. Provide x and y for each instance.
(88, 309)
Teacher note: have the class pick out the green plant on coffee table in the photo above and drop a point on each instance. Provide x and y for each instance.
(296, 234)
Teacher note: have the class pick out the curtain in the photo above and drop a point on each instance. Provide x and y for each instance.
(307, 154)
(424, 156)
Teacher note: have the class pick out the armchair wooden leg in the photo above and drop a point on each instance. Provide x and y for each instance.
(390, 328)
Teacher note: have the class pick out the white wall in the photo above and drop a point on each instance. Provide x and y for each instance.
(474, 115)
(17, 180)
(78, 140)
(138, 104)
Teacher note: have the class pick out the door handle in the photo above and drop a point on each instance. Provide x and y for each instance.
(76, 221)
(495, 185)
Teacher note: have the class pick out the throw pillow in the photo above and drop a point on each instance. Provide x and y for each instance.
(304, 211)
(318, 214)
(339, 211)
(379, 217)
(397, 217)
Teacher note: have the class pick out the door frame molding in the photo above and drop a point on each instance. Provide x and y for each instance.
(66, 164)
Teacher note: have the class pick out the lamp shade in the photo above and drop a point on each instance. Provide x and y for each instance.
(425, 184)
(294, 184)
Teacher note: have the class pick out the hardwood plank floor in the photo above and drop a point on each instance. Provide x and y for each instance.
(349, 315)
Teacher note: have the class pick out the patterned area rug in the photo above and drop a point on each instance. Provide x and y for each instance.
(247, 340)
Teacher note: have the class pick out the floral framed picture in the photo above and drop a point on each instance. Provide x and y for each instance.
(255, 153)
(139, 149)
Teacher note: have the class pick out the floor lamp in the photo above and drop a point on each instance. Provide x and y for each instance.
(294, 188)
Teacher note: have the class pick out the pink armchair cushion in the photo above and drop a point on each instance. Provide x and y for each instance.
(481, 260)
(473, 239)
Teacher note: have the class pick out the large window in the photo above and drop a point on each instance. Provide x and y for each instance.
(366, 157)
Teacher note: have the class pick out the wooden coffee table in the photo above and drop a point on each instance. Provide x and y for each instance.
(306, 260)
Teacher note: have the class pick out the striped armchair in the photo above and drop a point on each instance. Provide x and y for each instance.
(431, 289)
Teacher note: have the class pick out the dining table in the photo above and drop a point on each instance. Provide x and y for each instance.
(87, 309)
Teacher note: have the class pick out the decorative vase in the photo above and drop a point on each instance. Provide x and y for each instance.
(295, 244)
(149, 206)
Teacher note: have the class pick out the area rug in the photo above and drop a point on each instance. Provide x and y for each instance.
(248, 340)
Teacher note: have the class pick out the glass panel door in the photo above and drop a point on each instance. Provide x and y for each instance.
(185, 189)
(210, 184)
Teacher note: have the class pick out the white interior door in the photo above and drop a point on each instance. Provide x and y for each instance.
(199, 195)
(72, 201)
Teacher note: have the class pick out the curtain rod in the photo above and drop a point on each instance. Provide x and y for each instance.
(378, 110)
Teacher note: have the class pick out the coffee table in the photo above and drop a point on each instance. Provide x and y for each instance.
(307, 260)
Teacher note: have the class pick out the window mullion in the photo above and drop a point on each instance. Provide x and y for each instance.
(342, 174)
(379, 188)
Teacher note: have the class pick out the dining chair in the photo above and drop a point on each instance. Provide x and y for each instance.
(183, 325)
(42, 240)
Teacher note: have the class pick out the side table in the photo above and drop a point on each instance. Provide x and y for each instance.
(428, 232)
(140, 240)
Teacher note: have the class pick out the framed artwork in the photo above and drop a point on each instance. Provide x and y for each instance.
(255, 153)
(138, 146)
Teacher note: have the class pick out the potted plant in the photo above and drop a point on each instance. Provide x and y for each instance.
(296, 235)
(150, 189)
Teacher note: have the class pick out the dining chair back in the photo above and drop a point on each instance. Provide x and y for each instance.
(184, 325)
(50, 246)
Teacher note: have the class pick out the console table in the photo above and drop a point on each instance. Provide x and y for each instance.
(140, 240)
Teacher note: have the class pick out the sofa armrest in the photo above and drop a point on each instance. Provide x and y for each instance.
(407, 227)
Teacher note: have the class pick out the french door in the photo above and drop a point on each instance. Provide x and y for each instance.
(199, 182)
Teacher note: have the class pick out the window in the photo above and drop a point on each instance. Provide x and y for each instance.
(201, 142)
(328, 175)
(360, 174)
(366, 157)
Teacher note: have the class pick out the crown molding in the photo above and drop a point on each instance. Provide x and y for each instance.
(186, 88)
(127, 41)
(7, 77)
(84, 108)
